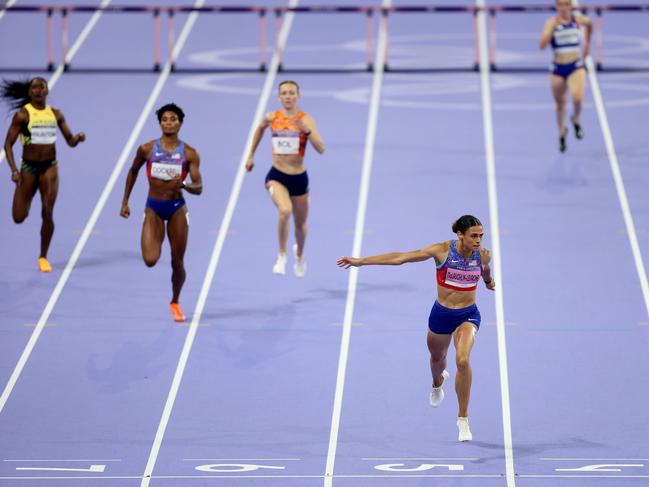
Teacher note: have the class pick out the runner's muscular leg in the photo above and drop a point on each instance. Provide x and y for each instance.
(577, 85)
(438, 347)
(23, 196)
(178, 231)
(463, 338)
(282, 200)
(300, 214)
(153, 234)
(48, 185)
(559, 87)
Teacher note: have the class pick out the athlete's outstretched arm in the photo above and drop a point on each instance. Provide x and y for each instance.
(256, 138)
(394, 258)
(139, 160)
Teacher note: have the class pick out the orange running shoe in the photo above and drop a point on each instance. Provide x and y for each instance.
(44, 265)
(177, 312)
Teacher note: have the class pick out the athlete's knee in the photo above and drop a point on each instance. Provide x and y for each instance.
(284, 213)
(19, 216)
(47, 212)
(150, 258)
(437, 358)
(177, 264)
(462, 363)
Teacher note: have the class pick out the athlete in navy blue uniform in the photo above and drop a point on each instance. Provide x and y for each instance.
(563, 33)
(454, 316)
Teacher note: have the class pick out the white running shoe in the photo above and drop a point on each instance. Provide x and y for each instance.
(464, 431)
(300, 264)
(437, 394)
(280, 265)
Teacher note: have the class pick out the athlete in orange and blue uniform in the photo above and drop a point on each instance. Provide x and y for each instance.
(454, 316)
(168, 162)
(287, 181)
(288, 139)
(36, 123)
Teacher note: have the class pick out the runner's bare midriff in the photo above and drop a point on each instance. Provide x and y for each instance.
(566, 58)
(453, 299)
(39, 153)
(289, 163)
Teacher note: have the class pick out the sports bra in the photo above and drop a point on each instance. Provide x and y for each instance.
(287, 139)
(459, 273)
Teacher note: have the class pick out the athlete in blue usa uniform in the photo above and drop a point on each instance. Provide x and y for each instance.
(168, 162)
(563, 33)
(454, 316)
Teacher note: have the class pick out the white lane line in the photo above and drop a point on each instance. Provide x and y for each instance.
(619, 182)
(92, 468)
(421, 459)
(241, 459)
(135, 133)
(368, 156)
(9, 4)
(67, 460)
(218, 247)
(588, 459)
(73, 50)
(487, 120)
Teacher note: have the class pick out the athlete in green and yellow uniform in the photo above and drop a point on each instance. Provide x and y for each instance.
(36, 123)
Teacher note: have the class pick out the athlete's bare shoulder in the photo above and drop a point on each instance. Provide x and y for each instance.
(268, 118)
(191, 153)
(583, 19)
(145, 149)
(438, 250)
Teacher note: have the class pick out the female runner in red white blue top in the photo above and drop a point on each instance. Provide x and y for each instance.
(460, 265)
(168, 161)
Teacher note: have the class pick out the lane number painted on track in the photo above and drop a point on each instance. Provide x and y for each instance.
(236, 467)
(401, 467)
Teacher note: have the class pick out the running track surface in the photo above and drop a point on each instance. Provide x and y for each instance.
(257, 393)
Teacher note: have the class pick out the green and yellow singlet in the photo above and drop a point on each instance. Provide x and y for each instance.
(41, 129)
